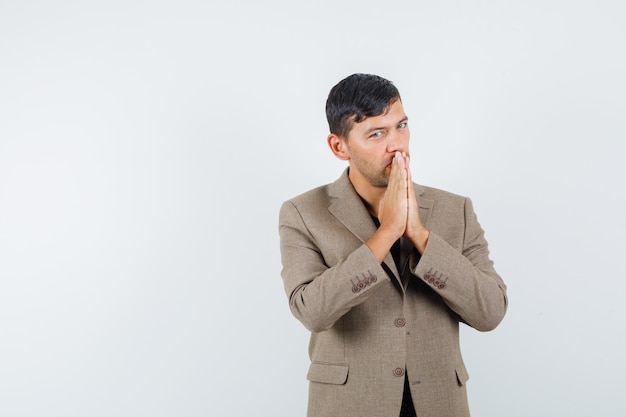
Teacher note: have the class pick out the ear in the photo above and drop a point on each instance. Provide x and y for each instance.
(338, 146)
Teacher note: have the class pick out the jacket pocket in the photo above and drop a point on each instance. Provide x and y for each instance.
(328, 373)
(461, 375)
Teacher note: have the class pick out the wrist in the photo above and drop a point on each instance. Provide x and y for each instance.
(420, 240)
(380, 243)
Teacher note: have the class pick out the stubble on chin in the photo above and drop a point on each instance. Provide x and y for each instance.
(376, 176)
(380, 180)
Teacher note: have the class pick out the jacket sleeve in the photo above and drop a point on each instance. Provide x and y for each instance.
(321, 292)
(466, 279)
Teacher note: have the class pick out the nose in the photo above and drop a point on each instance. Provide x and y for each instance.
(398, 142)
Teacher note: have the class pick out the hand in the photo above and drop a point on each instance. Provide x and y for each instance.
(398, 212)
(393, 208)
(415, 230)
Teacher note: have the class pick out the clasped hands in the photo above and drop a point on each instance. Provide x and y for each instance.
(398, 211)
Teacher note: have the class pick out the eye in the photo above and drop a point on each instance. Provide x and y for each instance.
(376, 135)
(402, 125)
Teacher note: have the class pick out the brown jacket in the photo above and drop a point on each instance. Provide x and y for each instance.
(369, 323)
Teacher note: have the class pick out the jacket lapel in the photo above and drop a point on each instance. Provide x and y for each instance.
(349, 210)
(425, 204)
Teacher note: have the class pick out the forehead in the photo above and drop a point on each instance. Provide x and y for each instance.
(393, 115)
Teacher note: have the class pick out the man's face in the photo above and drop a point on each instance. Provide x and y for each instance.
(373, 142)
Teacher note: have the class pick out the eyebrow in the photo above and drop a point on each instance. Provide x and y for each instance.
(372, 129)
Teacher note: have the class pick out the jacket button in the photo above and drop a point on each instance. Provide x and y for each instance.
(355, 289)
(442, 286)
(400, 322)
(426, 275)
(398, 372)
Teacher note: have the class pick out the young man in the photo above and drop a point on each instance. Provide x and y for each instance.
(382, 270)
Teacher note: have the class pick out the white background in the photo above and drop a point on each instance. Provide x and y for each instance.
(146, 147)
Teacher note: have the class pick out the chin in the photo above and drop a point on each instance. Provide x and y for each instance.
(380, 182)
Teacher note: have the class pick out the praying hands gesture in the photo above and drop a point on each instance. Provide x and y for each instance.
(398, 212)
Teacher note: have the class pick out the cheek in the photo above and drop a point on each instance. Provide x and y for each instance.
(384, 149)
